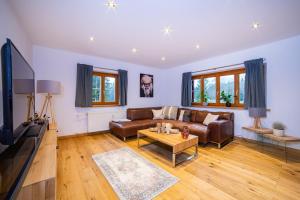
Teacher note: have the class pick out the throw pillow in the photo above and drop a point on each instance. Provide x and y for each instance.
(158, 114)
(180, 118)
(210, 118)
(170, 112)
(187, 116)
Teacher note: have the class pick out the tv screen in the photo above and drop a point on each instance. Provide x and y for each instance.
(18, 94)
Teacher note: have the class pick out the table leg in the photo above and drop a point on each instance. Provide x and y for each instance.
(173, 159)
(196, 150)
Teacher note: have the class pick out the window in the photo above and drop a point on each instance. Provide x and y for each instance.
(227, 85)
(105, 89)
(242, 88)
(208, 88)
(196, 90)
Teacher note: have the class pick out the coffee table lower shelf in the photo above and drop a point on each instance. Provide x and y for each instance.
(177, 143)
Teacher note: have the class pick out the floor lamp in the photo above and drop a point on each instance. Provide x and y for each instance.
(49, 88)
(26, 87)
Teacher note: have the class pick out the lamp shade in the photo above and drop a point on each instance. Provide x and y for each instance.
(23, 86)
(48, 86)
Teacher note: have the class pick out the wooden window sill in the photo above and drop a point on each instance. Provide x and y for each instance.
(105, 105)
(220, 107)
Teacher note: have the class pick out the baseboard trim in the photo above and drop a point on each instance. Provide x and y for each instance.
(62, 137)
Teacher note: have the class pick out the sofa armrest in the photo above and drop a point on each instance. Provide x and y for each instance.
(220, 131)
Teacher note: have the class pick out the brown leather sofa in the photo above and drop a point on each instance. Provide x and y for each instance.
(217, 132)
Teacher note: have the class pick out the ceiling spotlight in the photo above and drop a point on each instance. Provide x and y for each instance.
(92, 39)
(111, 4)
(167, 30)
(255, 25)
(163, 58)
(134, 50)
(197, 46)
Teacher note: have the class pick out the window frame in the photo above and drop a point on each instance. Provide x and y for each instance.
(102, 102)
(217, 75)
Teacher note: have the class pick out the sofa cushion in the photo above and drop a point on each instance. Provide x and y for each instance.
(158, 114)
(210, 118)
(196, 128)
(170, 112)
(200, 116)
(140, 113)
(193, 115)
(185, 116)
(176, 123)
(224, 115)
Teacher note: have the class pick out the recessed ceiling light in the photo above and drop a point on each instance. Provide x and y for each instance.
(92, 39)
(111, 4)
(163, 58)
(134, 50)
(197, 46)
(255, 25)
(167, 30)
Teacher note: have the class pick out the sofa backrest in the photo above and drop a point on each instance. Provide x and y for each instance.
(199, 115)
(141, 113)
(196, 115)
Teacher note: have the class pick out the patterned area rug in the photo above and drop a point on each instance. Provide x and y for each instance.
(131, 176)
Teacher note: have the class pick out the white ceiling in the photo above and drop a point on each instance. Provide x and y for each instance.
(218, 26)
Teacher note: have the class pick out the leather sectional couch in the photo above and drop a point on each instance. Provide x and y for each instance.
(218, 132)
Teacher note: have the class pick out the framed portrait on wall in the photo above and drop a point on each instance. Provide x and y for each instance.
(146, 85)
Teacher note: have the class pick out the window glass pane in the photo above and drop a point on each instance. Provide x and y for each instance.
(196, 90)
(210, 89)
(110, 83)
(96, 89)
(227, 85)
(242, 88)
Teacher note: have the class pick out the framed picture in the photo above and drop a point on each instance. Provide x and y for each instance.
(146, 85)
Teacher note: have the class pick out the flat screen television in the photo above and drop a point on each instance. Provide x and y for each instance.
(18, 94)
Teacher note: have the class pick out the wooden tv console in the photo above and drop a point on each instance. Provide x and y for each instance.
(40, 182)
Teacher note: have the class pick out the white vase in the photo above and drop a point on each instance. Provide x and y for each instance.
(278, 132)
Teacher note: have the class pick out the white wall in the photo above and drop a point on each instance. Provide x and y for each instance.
(283, 91)
(11, 28)
(60, 65)
(283, 75)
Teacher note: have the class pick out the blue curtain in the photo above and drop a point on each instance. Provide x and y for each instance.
(84, 84)
(186, 89)
(255, 88)
(123, 84)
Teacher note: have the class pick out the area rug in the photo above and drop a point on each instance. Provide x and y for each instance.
(132, 176)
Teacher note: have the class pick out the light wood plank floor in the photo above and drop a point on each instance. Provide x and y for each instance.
(240, 170)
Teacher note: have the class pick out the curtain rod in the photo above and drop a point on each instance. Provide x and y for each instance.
(216, 68)
(106, 68)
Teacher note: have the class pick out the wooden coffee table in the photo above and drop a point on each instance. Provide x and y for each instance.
(177, 143)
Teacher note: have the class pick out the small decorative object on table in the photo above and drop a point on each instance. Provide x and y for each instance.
(158, 126)
(174, 131)
(168, 127)
(163, 127)
(185, 132)
(278, 129)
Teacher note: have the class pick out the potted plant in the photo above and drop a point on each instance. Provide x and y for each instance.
(205, 99)
(278, 129)
(226, 98)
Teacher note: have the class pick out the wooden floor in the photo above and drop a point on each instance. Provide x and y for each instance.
(240, 170)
